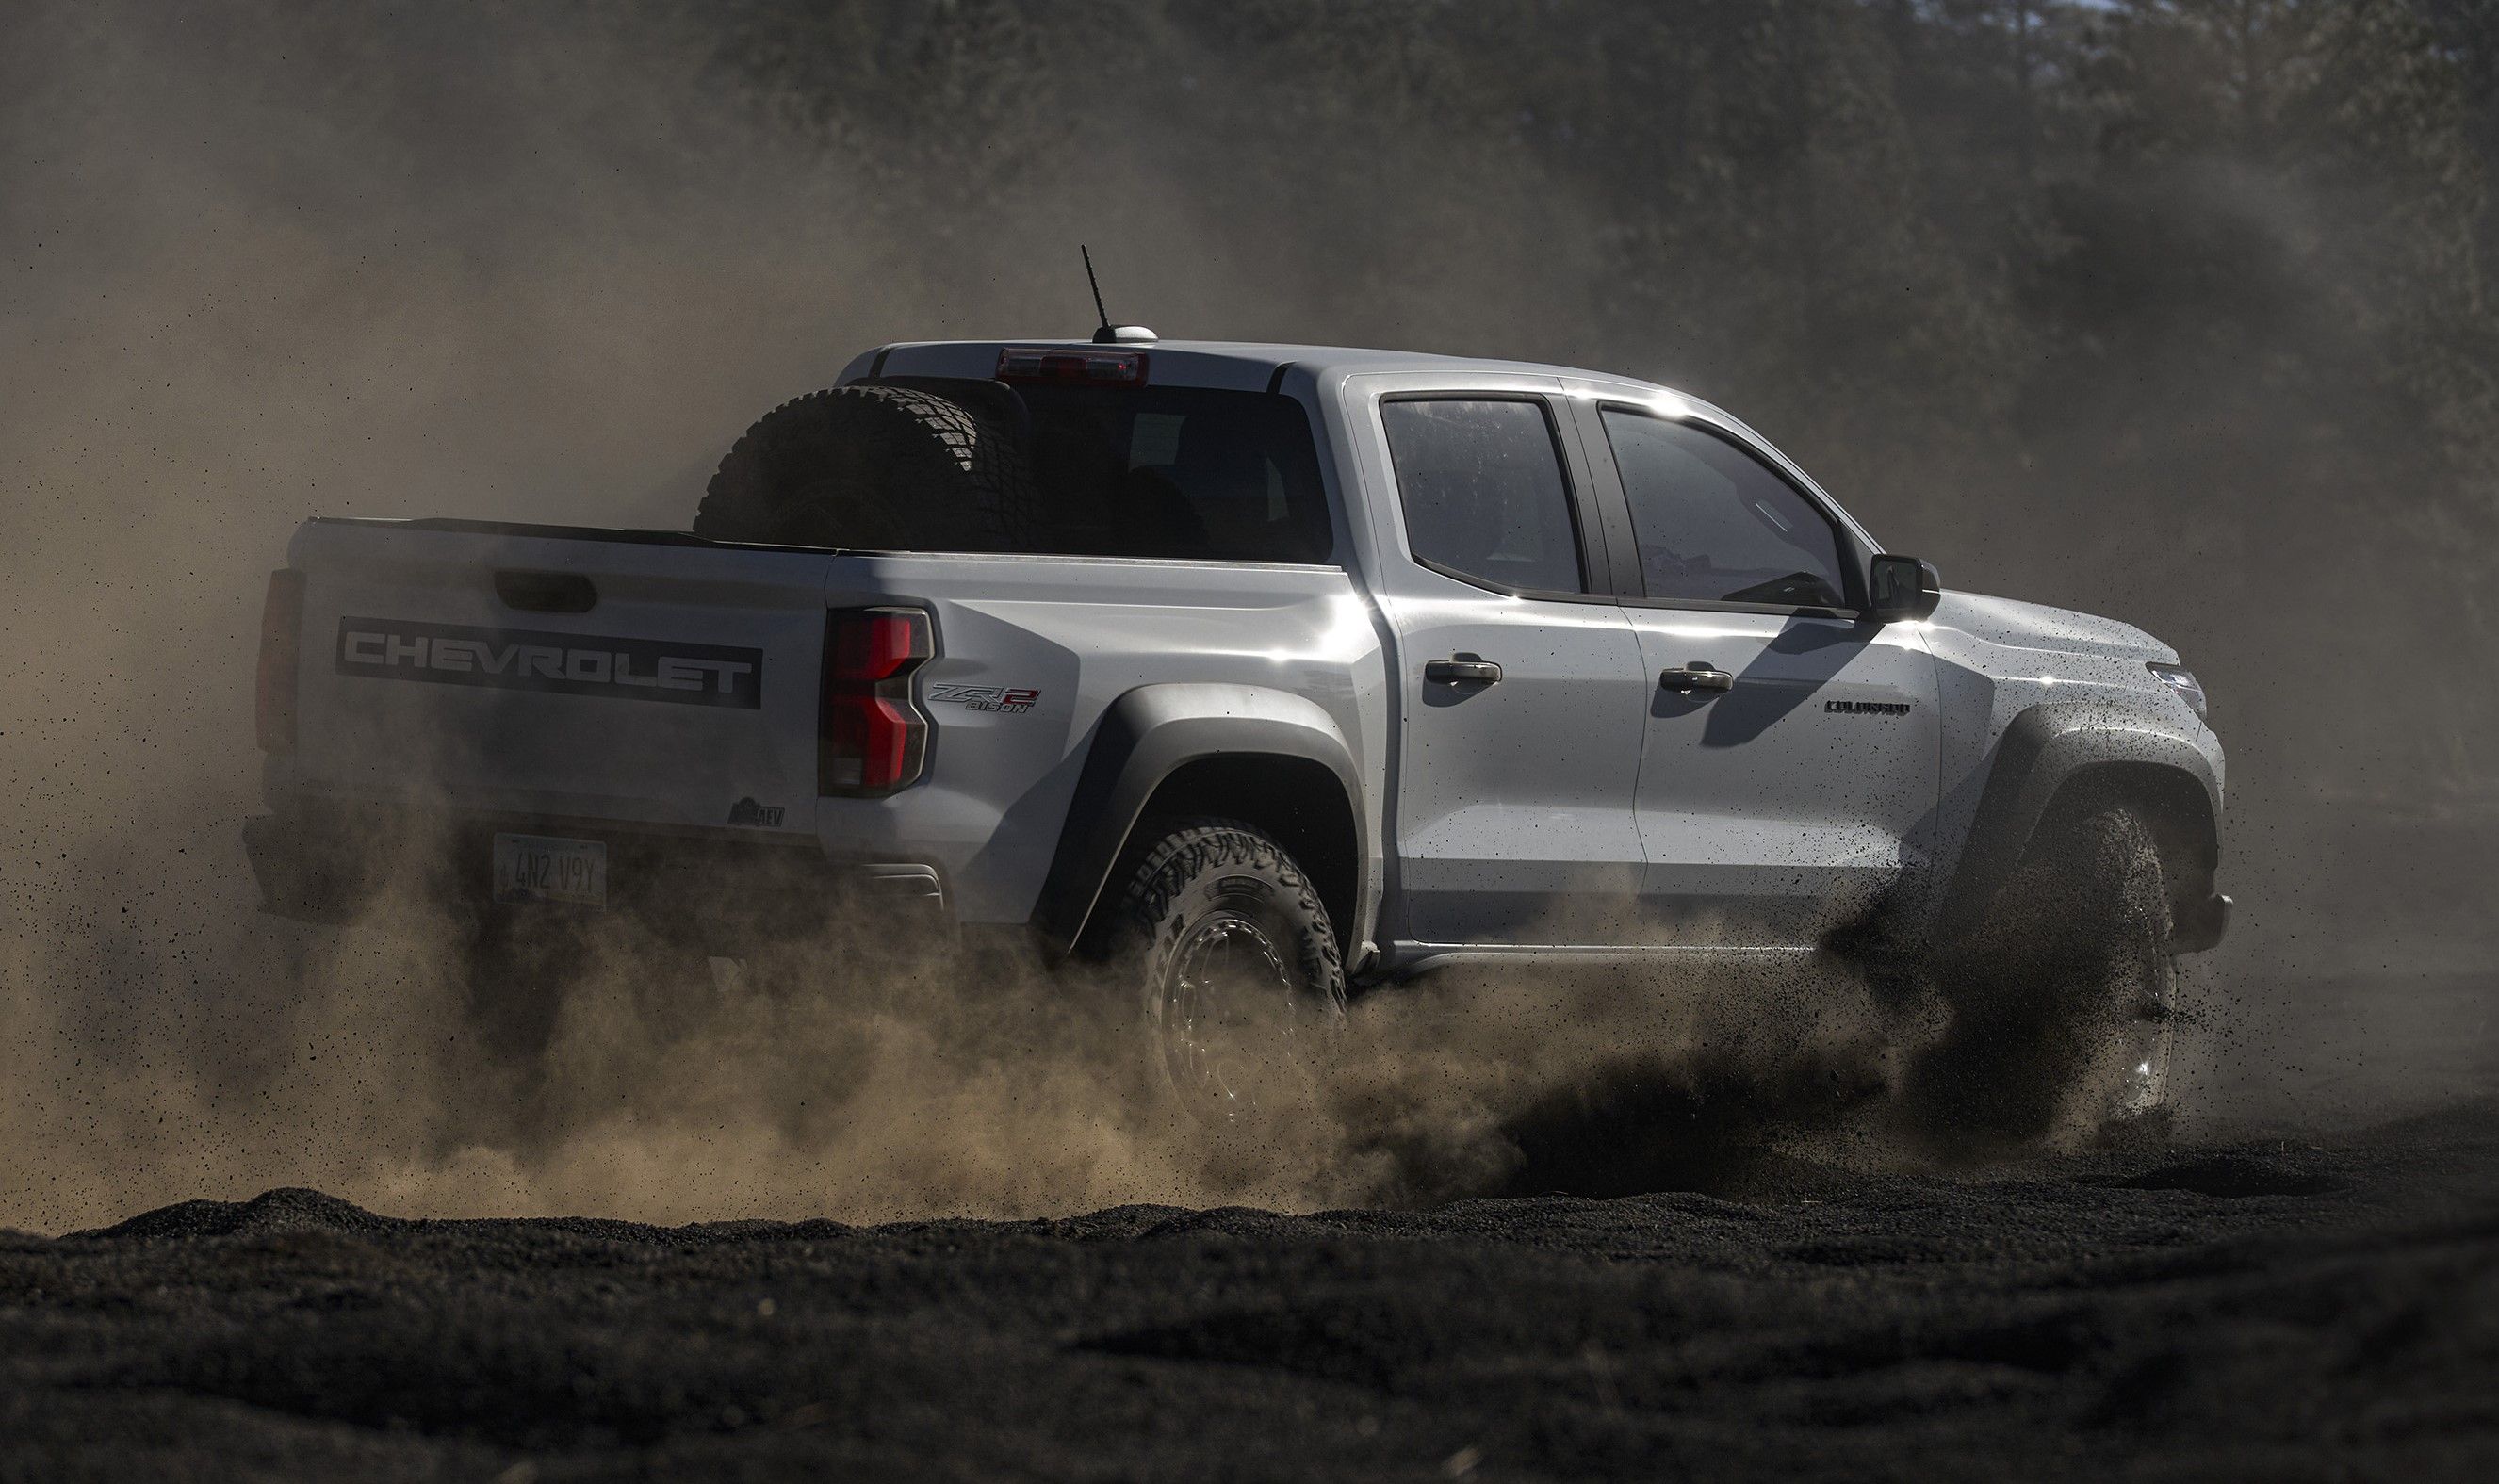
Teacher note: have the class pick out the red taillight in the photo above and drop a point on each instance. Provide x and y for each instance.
(1084, 367)
(871, 737)
(281, 620)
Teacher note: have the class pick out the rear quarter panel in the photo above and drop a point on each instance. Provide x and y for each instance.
(1078, 632)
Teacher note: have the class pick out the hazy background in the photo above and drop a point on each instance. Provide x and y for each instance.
(2177, 311)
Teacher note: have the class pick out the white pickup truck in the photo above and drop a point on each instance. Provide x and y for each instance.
(1284, 672)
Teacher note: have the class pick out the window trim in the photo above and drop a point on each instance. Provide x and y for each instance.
(1852, 556)
(1586, 531)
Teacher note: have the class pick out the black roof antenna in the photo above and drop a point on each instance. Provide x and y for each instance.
(1107, 332)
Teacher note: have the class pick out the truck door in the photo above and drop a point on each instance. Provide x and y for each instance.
(1521, 690)
(1792, 755)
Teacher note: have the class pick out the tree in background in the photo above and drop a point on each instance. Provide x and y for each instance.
(1990, 89)
(2468, 32)
(1770, 243)
(2271, 335)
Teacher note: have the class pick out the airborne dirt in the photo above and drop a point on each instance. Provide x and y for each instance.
(1634, 1279)
(1641, 1285)
(2262, 1309)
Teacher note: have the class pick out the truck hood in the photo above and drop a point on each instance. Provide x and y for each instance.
(2036, 625)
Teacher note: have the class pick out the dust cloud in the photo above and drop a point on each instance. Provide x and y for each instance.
(265, 261)
(251, 280)
(272, 261)
(834, 1078)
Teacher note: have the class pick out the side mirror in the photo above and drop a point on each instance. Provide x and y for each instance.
(1903, 588)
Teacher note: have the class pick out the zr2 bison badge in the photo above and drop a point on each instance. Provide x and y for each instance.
(1009, 699)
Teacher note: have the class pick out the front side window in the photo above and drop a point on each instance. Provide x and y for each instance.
(1716, 524)
(1485, 493)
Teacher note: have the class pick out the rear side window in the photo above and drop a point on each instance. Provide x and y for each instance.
(1716, 524)
(1483, 491)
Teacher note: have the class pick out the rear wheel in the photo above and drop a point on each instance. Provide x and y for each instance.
(2064, 1016)
(1240, 980)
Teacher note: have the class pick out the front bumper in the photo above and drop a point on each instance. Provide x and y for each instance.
(726, 891)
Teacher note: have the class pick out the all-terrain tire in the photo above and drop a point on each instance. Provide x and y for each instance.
(877, 468)
(1210, 915)
(2065, 1010)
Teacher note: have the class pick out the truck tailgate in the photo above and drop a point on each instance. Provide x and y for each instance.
(535, 671)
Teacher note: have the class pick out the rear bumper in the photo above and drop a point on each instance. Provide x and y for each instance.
(328, 865)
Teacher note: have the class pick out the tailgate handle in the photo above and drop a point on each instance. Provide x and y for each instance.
(546, 592)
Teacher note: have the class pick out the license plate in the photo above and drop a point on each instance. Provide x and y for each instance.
(543, 868)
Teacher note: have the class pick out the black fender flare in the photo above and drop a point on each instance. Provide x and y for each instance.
(1146, 735)
(2047, 747)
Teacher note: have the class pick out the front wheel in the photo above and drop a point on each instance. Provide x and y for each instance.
(1241, 981)
(2064, 1016)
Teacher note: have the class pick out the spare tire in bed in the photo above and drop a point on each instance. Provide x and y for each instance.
(877, 466)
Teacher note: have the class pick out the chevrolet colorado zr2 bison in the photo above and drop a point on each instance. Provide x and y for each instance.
(1257, 674)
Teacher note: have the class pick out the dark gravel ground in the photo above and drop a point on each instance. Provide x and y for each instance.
(2257, 1311)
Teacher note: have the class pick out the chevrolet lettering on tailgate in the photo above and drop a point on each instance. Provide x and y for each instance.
(564, 664)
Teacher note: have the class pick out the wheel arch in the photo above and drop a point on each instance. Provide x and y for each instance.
(1263, 756)
(2061, 759)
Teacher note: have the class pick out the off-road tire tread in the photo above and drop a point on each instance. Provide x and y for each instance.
(2048, 908)
(2086, 877)
(1186, 850)
(959, 481)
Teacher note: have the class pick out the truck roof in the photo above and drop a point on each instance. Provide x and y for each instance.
(1205, 362)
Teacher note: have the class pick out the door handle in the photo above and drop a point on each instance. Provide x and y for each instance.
(1463, 672)
(1699, 675)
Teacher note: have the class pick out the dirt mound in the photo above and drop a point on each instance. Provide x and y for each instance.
(286, 1210)
(2263, 1309)
(2238, 1174)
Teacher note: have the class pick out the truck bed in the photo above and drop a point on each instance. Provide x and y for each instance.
(616, 682)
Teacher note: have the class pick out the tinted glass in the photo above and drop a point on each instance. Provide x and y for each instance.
(1715, 523)
(1178, 472)
(1164, 472)
(1485, 493)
